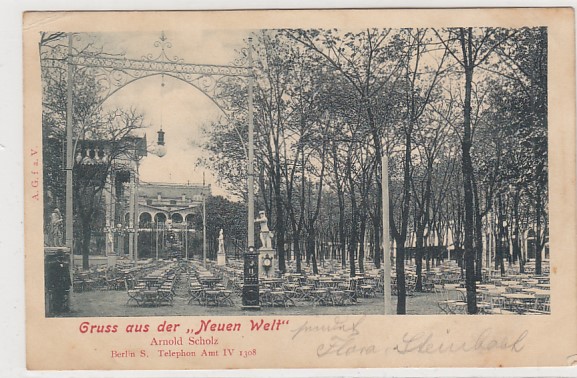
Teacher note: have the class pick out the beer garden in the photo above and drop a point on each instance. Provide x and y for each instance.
(326, 139)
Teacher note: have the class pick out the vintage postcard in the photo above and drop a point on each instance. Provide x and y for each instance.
(300, 189)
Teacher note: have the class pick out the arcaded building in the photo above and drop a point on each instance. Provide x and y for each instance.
(159, 202)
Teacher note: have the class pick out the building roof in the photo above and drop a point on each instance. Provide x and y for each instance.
(172, 190)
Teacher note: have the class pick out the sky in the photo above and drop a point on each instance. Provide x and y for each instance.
(182, 109)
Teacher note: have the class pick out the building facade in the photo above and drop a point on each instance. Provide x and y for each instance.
(159, 202)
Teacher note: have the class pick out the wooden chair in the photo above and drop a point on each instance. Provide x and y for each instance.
(211, 297)
(225, 298)
(134, 294)
(166, 293)
(320, 296)
(451, 301)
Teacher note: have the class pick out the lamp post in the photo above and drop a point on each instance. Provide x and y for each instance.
(250, 290)
(203, 226)
(250, 163)
(69, 157)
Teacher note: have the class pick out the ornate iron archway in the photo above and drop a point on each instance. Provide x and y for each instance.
(114, 73)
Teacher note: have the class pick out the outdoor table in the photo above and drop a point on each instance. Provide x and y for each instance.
(151, 281)
(211, 297)
(493, 292)
(518, 302)
(265, 297)
(452, 286)
(516, 288)
(538, 293)
(290, 290)
(280, 297)
(304, 292)
(209, 281)
(328, 283)
(149, 297)
(493, 300)
(452, 301)
(542, 301)
(486, 286)
(274, 283)
(357, 282)
(337, 297)
(320, 296)
(224, 298)
(461, 289)
(518, 296)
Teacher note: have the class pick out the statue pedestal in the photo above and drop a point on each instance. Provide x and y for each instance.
(266, 256)
(111, 260)
(221, 259)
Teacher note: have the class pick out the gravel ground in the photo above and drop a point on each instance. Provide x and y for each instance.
(102, 303)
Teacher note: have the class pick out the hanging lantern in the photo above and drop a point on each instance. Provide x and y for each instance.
(160, 148)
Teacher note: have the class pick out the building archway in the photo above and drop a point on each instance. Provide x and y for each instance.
(189, 220)
(144, 220)
(160, 218)
(176, 218)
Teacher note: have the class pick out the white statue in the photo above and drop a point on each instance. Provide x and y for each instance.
(56, 228)
(221, 242)
(221, 256)
(266, 235)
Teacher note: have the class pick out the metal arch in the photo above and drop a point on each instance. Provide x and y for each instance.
(113, 73)
(220, 104)
(120, 64)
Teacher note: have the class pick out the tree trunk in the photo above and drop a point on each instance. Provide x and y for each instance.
(538, 246)
(501, 239)
(86, 237)
(342, 230)
(310, 248)
(297, 252)
(363, 229)
(419, 258)
(517, 240)
(467, 167)
(478, 233)
(354, 211)
(377, 250)
(378, 168)
(401, 286)
(280, 227)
